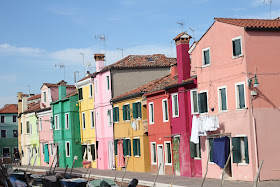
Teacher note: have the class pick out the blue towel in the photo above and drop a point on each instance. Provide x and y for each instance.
(221, 151)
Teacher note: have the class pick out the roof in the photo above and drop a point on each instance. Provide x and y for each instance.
(9, 109)
(141, 61)
(252, 23)
(90, 75)
(71, 94)
(34, 97)
(33, 108)
(57, 84)
(181, 34)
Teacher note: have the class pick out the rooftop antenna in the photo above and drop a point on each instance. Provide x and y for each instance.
(171, 43)
(75, 77)
(83, 62)
(89, 65)
(61, 66)
(270, 2)
(193, 32)
(182, 25)
(28, 88)
(103, 38)
(121, 50)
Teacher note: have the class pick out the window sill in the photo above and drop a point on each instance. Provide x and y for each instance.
(152, 123)
(242, 164)
(92, 127)
(127, 156)
(154, 163)
(211, 163)
(235, 57)
(165, 121)
(175, 116)
(90, 97)
(204, 114)
(240, 109)
(195, 113)
(137, 156)
(222, 111)
(168, 164)
(205, 66)
(197, 158)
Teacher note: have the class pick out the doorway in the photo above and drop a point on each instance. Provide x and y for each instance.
(176, 155)
(111, 154)
(160, 159)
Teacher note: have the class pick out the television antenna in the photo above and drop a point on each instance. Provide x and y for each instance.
(61, 66)
(193, 32)
(102, 37)
(270, 2)
(181, 24)
(75, 76)
(121, 50)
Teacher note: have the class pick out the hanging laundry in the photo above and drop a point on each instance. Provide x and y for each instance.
(195, 130)
(221, 151)
(120, 154)
(133, 125)
(46, 153)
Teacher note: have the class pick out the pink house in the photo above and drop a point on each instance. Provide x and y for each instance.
(49, 93)
(237, 67)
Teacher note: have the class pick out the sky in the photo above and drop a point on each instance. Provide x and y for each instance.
(38, 37)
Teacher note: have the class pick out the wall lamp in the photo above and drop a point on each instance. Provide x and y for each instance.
(256, 83)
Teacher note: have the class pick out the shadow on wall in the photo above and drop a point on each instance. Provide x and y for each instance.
(263, 96)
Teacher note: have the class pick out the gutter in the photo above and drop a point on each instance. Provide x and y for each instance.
(179, 85)
(127, 97)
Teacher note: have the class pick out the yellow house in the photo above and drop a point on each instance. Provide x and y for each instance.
(131, 132)
(87, 119)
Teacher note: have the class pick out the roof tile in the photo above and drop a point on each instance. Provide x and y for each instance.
(252, 23)
(9, 109)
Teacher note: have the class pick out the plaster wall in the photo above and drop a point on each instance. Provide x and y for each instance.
(34, 139)
(25, 140)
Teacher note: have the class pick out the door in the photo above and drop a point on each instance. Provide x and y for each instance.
(160, 159)
(175, 153)
(57, 155)
(111, 154)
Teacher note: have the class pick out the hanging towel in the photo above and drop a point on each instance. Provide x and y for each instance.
(120, 154)
(195, 130)
(133, 125)
(221, 151)
(46, 153)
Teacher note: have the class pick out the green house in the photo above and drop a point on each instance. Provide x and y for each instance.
(66, 128)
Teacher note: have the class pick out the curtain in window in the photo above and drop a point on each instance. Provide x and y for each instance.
(236, 47)
(120, 154)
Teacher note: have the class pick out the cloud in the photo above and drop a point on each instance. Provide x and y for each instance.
(7, 100)
(262, 2)
(261, 15)
(10, 78)
(8, 49)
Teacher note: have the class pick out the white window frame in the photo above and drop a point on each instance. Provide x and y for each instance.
(192, 102)
(42, 149)
(92, 120)
(203, 62)
(173, 105)
(109, 118)
(67, 142)
(137, 138)
(164, 115)
(45, 96)
(237, 96)
(40, 124)
(242, 162)
(51, 148)
(83, 121)
(140, 109)
(5, 133)
(150, 113)
(56, 122)
(204, 91)
(90, 91)
(233, 39)
(165, 153)
(107, 82)
(66, 121)
(220, 99)
(29, 127)
(152, 153)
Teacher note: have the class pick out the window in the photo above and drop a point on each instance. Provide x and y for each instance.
(109, 117)
(6, 151)
(27, 127)
(165, 110)
(67, 148)
(136, 110)
(95, 87)
(153, 153)
(37, 126)
(210, 146)
(108, 82)
(126, 147)
(175, 105)
(84, 120)
(240, 150)
(236, 47)
(92, 118)
(136, 147)
(167, 148)
(93, 152)
(51, 148)
(20, 128)
(14, 118)
(151, 113)
(40, 123)
(45, 97)
(2, 119)
(195, 150)
(66, 121)
(15, 133)
(42, 148)
(206, 57)
(90, 90)
(222, 97)
(51, 122)
(194, 101)
(116, 146)
(203, 102)
(56, 122)
(240, 95)
(116, 114)
(3, 134)
(126, 112)
(80, 92)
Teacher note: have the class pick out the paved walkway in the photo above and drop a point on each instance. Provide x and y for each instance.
(147, 179)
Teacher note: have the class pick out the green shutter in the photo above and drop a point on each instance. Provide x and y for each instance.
(124, 112)
(139, 112)
(128, 112)
(134, 147)
(211, 152)
(128, 147)
(246, 149)
(138, 147)
(114, 115)
(193, 149)
(116, 146)
(134, 110)
(236, 150)
(125, 147)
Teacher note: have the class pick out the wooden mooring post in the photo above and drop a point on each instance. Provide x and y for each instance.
(258, 174)
(157, 175)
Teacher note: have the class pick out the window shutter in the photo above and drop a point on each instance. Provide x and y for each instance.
(124, 112)
(125, 147)
(134, 110)
(134, 147)
(224, 99)
(200, 100)
(237, 47)
(206, 57)
(114, 115)
(246, 150)
(128, 147)
(139, 111)
(241, 96)
(192, 149)
(236, 150)
(233, 48)
(128, 112)
(116, 146)
(138, 146)
(117, 114)
(93, 152)
(211, 152)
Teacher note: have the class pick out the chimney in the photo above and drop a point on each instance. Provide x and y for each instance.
(173, 69)
(183, 57)
(88, 73)
(62, 89)
(99, 60)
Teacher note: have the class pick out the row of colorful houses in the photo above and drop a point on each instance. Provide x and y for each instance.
(151, 113)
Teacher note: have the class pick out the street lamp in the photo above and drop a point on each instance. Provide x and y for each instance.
(83, 62)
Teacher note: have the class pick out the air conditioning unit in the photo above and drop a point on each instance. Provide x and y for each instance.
(254, 93)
